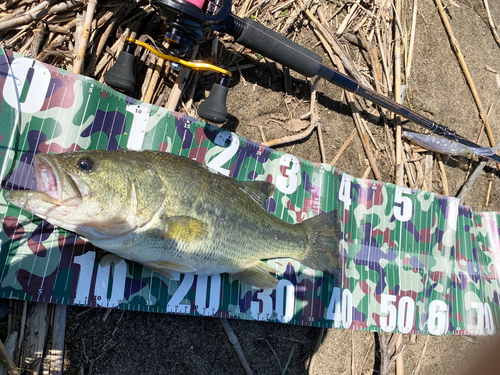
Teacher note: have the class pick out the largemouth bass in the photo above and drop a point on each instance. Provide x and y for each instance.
(172, 214)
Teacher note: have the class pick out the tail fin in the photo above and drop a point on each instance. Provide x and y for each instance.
(323, 251)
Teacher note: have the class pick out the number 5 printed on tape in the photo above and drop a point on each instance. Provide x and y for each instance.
(403, 209)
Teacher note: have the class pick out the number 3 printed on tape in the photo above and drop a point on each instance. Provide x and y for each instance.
(288, 184)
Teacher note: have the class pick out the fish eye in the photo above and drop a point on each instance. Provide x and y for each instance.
(85, 165)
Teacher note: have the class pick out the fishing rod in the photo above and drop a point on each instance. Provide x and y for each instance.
(189, 21)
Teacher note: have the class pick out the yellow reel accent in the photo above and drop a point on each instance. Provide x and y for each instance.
(190, 64)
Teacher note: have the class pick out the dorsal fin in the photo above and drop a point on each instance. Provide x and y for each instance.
(259, 191)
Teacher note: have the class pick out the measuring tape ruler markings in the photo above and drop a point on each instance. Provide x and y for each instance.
(408, 266)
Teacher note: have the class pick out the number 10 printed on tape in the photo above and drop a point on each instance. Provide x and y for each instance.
(413, 261)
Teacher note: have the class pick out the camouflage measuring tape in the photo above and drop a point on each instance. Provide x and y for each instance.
(413, 261)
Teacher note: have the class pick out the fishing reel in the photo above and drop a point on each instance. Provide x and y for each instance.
(188, 22)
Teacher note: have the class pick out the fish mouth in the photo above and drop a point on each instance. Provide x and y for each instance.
(54, 182)
(48, 177)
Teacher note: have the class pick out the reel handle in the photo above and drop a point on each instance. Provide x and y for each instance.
(121, 74)
(213, 108)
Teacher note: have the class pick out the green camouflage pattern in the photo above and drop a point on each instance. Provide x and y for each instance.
(413, 261)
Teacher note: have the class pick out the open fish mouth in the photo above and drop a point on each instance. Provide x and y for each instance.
(55, 182)
(48, 177)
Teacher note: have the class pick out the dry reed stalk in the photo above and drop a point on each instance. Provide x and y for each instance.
(60, 18)
(80, 18)
(314, 121)
(32, 15)
(429, 164)
(315, 118)
(399, 359)
(236, 345)
(51, 47)
(416, 369)
(6, 359)
(66, 29)
(105, 17)
(177, 90)
(358, 120)
(491, 22)
(10, 16)
(488, 192)
(333, 42)
(58, 332)
(151, 63)
(409, 173)
(465, 69)
(444, 179)
(388, 136)
(38, 34)
(80, 55)
(397, 94)
(282, 6)
(300, 8)
(192, 89)
(10, 43)
(360, 24)
(347, 18)
(102, 40)
(39, 12)
(118, 45)
(26, 45)
(243, 10)
(360, 126)
(375, 65)
(470, 182)
(344, 146)
(412, 39)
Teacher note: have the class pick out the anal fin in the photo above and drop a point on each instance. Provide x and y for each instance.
(258, 276)
(109, 260)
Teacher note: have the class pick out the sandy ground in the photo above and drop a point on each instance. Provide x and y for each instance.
(132, 343)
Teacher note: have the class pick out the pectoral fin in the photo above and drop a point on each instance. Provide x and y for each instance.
(184, 229)
(258, 276)
(167, 268)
